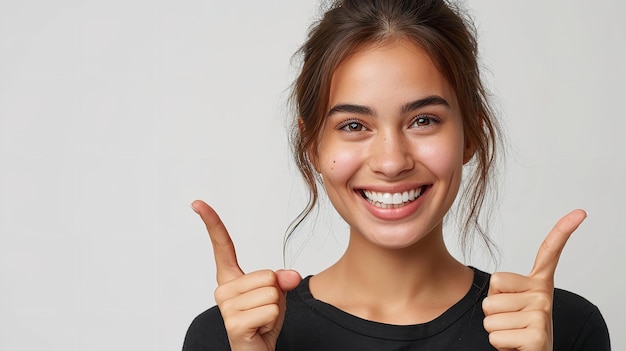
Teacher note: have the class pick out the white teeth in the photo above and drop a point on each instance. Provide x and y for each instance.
(389, 200)
(397, 198)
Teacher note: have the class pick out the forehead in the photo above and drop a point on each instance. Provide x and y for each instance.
(395, 71)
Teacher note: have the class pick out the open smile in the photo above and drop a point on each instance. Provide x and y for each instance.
(392, 200)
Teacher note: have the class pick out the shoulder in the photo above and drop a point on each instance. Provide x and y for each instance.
(578, 324)
(207, 332)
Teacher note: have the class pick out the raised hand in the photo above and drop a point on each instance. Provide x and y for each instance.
(252, 305)
(518, 309)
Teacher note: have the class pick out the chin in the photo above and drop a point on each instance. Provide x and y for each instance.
(397, 238)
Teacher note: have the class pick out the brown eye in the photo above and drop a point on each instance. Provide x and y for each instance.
(353, 126)
(421, 121)
(424, 121)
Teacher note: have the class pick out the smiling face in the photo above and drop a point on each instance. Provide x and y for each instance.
(392, 146)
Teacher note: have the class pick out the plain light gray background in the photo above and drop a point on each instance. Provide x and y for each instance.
(115, 115)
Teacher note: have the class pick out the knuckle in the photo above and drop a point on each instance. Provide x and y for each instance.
(536, 340)
(234, 325)
(268, 276)
(487, 306)
(543, 302)
(272, 294)
(273, 311)
(487, 324)
(220, 295)
(226, 307)
(494, 340)
(496, 279)
(539, 301)
(501, 278)
(265, 277)
(537, 318)
(550, 248)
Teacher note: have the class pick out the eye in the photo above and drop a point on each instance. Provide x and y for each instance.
(352, 126)
(424, 121)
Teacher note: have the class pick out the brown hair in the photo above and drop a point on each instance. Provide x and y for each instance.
(447, 35)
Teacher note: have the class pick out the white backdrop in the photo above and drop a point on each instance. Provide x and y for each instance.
(115, 115)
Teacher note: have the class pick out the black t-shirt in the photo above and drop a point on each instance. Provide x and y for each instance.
(311, 324)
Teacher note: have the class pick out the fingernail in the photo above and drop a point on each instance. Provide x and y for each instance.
(193, 208)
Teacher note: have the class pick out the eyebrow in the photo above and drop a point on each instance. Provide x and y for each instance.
(428, 101)
(349, 108)
(406, 108)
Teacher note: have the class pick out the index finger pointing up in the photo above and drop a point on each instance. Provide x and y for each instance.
(223, 247)
(552, 246)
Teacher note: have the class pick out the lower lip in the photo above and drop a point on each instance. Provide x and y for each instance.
(394, 214)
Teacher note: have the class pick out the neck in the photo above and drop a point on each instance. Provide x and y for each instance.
(407, 270)
(423, 277)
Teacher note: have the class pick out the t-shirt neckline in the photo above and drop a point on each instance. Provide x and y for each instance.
(397, 332)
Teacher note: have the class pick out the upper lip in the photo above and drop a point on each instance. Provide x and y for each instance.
(392, 189)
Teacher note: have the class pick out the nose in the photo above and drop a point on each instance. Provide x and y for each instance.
(391, 155)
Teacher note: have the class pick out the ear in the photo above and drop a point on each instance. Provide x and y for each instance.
(313, 159)
(300, 125)
(470, 144)
(311, 155)
(468, 151)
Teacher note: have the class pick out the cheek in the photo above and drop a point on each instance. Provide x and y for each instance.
(442, 156)
(338, 163)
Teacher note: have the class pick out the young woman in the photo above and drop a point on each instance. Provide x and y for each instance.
(390, 112)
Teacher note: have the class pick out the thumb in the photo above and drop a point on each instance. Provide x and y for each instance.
(288, 279)
(551, 248)
(223, 248)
